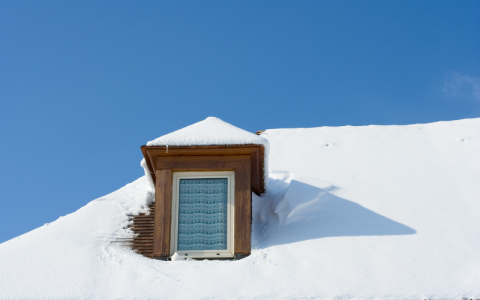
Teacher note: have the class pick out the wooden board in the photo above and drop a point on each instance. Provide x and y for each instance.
(256, 153)
(241, 164)
(143, 227)
(163, 209)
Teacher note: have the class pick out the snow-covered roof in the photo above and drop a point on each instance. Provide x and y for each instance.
(211, 131)
(370, 212)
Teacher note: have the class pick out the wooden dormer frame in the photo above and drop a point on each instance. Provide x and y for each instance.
(256, 153)
(247, 161)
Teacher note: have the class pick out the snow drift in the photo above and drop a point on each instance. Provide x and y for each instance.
(352, 213)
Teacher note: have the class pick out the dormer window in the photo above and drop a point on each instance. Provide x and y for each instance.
(203, 205)
(204, 176)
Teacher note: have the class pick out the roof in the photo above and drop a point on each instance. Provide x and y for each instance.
(211, 131)
(370, 212)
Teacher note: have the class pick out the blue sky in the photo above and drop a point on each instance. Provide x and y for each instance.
(83, 84)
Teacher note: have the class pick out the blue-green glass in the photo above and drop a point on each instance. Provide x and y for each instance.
(202, 217)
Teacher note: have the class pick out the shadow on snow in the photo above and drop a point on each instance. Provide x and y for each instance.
(310, 212)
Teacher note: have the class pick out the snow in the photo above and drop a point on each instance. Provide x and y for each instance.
(176, 257)
(364, 212)
(212, 131)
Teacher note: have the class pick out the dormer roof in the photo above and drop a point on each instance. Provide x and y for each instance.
(209, 137)
(211, 131)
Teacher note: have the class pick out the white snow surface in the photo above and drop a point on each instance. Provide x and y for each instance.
(371, 212)
(212, 131)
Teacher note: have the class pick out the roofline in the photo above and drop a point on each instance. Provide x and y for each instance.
(256, 152)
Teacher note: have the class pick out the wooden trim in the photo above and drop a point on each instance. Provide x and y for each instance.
(163, 209)
(243, 210)
(205, 162)
(256, 152)
(149, 162)
(241, 164)
(204, 150)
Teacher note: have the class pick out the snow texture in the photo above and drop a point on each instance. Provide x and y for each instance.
(371, 212)
(212, 131)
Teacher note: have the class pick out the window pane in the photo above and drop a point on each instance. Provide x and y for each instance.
(202, 220)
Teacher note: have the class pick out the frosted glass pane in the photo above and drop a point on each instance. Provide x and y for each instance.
(202, 218)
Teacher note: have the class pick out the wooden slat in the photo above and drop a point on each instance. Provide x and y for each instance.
(143, 248)
(201, 150)
(163, 199)
(243, 209)
(256, 182)
(142, 225)
(207, 163)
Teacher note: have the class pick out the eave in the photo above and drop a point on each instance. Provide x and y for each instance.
(256, 152)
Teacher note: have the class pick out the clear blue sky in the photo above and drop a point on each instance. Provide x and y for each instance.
(83, 84)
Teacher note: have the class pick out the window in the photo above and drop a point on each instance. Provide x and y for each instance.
(202, 214)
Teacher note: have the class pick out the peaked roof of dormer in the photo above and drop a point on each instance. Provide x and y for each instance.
(208, 134)
(211, 131)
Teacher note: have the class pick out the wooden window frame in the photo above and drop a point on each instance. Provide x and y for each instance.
(229, 252)
(245, 160)
(167, 165)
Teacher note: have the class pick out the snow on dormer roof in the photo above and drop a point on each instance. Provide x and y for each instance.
(211, 131)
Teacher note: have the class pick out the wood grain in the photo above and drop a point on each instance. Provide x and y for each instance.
(243, 210)
(247, 161)
(243, 194)
(163, 211)
(151, 153)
